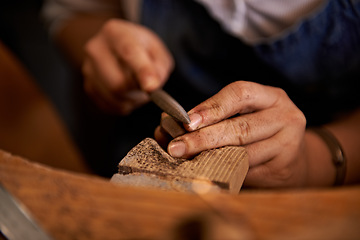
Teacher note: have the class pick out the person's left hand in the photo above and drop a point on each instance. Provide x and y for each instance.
(260, 118)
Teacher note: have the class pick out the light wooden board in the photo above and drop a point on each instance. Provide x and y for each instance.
(212, 170)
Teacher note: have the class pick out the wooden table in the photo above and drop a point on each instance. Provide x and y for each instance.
(73, 206)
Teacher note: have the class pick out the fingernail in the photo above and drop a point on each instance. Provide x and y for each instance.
(195, 120)
(151, 84)
(177, 149)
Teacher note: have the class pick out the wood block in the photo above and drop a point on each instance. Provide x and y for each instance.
(147, 164)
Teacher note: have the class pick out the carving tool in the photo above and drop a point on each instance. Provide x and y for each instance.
(169, 105)
(16, 222)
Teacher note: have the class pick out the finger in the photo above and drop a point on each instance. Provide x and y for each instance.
(98, 91)
(101, 82)
(161, 59)
(104, 67)
(137, 97)
(263, 151)
(137, 58)
(237, 131)
(97, 98)
(238, 97)
(123, 106)
(273, 161)
(162, 137)
(267, 176)
(131, 101)
(259, 177)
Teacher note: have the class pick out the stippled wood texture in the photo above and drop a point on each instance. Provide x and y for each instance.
(218, 169)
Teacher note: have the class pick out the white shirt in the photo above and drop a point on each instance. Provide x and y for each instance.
(252, 21)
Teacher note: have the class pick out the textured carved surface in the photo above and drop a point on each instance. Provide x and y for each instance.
(224, 167)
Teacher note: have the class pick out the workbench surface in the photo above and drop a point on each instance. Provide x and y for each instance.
(73, 206)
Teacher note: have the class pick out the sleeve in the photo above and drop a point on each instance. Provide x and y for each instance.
(56, 12)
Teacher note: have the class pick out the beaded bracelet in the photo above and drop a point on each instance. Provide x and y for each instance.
(337, 153)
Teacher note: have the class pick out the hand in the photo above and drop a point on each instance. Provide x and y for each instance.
(262, 119)
(124, 61)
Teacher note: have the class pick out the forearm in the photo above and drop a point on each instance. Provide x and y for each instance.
(76, 31)
(321, 168)
(72, 23)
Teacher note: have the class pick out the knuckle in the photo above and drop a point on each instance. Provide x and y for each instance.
(280, 92)
(124, 44)
(241, 129)
(283, 175)
(242, 90)
(127, 50)
(217, 110)
(110, 27)
(281, 95)
(144, 70)
(298, 118)
(295, 116)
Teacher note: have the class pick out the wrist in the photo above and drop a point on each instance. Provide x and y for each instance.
(337, 154)
(321, 170)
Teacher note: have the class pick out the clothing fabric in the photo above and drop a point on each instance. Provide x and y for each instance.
(256, 20)
(56, 12)
(317, 63)
(250, 20)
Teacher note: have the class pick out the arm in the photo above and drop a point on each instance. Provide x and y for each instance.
(76, 31)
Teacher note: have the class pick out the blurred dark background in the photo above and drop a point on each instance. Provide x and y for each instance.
(24, 33)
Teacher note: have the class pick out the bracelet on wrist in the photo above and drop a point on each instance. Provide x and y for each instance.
(337, 153)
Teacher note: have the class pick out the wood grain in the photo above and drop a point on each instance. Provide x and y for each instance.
(73, 206)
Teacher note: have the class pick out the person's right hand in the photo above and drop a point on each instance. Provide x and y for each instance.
(123, 62)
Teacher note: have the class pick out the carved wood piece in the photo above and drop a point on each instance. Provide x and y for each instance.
(147, 164)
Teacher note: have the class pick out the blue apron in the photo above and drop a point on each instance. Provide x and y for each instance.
(317, 64)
